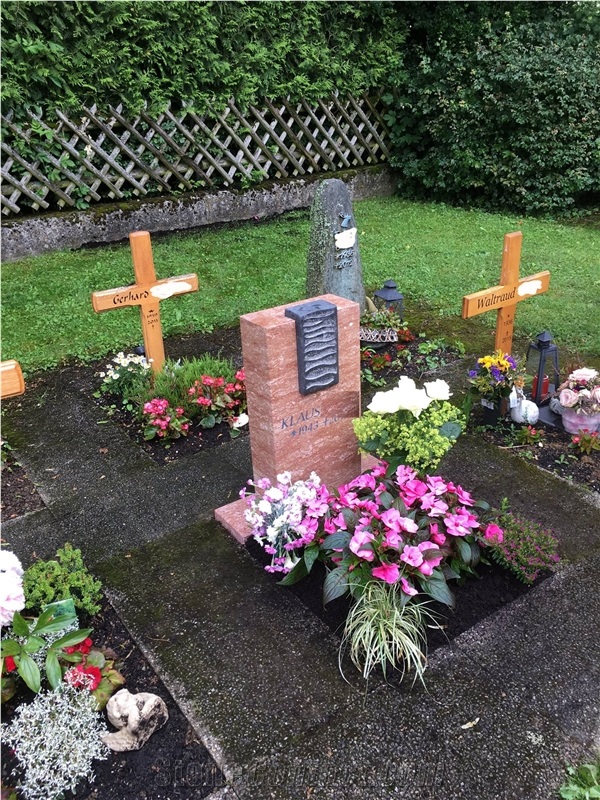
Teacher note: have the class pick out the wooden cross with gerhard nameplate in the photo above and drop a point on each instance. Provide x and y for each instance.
(506, 296)
(146, 292)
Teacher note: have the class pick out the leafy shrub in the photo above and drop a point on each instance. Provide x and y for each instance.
(175, 380)
(61, 55)
(583, 782)
(527, 549)
(55, 738)
(505, 116)
(47, 581)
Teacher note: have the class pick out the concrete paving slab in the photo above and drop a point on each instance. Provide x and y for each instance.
(255, 667)
(393, 745)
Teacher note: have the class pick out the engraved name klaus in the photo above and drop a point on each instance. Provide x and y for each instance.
(306, 420)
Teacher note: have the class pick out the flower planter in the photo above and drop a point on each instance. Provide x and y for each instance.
(574, 422)
(493, 412)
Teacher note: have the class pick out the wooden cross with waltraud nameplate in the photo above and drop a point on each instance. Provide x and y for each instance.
(146, 293)
(506, 296)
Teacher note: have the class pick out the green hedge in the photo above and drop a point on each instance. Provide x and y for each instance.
(58, 54)
(507, 116)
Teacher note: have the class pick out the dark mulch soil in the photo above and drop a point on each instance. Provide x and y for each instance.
(555, 453)
(198, 439)
(173, 764)
(18, 494)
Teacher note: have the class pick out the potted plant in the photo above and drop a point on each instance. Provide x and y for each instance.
(579, 401)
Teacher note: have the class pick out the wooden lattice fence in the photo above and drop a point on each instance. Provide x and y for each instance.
(105, 157)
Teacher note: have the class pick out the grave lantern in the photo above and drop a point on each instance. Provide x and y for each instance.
(393, 299)
(541, 353)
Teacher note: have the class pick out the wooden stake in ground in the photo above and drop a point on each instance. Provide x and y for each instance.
(506, 296)
(146, 293)
(11, 379)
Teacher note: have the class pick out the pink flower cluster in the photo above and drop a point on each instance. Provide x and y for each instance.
(404, 528)
(214, 394)
(165, 422)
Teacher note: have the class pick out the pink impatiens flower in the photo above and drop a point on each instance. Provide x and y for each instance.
(461, 522)
(493, 534)
(412, 491)
(387, 572)
(412, 556)
(407, 587)
(358, 542)
(392, 519)
(429, 561)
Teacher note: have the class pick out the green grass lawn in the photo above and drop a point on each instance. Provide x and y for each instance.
(435, 253)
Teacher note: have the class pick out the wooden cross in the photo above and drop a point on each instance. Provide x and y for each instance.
(11, 379)
(146, 293)
(506, 296)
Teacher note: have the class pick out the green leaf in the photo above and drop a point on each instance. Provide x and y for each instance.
(44, 618)
(19, 625)
(95, 659)
(386, 499)
(33, 644)
(311, 554)
(208, 422)
(482, 505)
(294, 575)
(451, 430)
(464, 548)
(9, 648)
(475, 553)
(29, 671)
(349, 518)
(435, 586)
(336, 584)
(72, 638)
(337, 540)
(400, 506)
(53, 670)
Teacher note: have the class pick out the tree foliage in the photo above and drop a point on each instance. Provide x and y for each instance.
(63, 55)
(501, 110)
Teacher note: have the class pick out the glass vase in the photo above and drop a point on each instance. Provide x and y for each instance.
(574, 422)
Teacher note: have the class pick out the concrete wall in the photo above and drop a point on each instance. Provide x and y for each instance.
(71, 230)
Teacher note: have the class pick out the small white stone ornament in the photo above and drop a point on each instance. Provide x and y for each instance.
(137, 716)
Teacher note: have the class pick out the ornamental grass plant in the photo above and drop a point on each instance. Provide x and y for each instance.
(382, 630)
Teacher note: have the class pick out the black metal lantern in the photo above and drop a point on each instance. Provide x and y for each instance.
(393, 299)
(542, 354)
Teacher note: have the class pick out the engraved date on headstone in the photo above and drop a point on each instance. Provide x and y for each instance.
(316, 345)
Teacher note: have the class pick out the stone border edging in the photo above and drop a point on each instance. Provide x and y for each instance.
(71, 230)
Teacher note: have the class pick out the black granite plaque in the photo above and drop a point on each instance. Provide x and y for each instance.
(316, 345)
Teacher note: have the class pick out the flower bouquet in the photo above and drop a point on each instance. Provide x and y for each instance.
(410, 426)
(492, 380)
(285, 518)
(579, 398)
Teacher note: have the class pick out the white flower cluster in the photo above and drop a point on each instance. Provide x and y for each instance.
(129, 363)
(284, 517)
(406, 397)
(55, 738)
(11, 586)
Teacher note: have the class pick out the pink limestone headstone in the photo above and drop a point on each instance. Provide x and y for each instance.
(302, 365)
